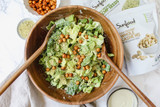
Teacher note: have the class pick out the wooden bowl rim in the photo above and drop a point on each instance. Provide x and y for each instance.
(120, 63)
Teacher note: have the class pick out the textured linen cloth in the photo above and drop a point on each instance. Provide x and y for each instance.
(22, 93)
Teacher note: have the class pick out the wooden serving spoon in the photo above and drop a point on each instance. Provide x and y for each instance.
(27, 63)
(105, 57)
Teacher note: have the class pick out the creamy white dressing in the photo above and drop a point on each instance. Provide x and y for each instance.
(122, 98)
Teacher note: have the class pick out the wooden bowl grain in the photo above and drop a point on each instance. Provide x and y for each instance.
(36, 38)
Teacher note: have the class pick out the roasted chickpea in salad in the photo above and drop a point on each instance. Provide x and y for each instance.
(71, 59)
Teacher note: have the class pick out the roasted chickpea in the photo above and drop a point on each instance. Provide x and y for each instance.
(40, 8)
(40, 1)
(29, 1)
(59, 61)
(99, 55)
(86, 78)
(53, 7)
(33, 2)
(95, 74)
(42, 12)
(81, 59)
(49, 10)
(30, 5)
(44, 3)
(64, 56)
(82, 77)
(39, 5)
(64, 39)
(62, 36)
(47, 69)
(38, 11)
(103, 71)
(80, 41)
(70, 75)
(76, 48)
(66, 75)
(79, 63)
(63, 68)
(98, 49)
(86, 36)
(79, 33)
(51, 2)
(87, 66)
(78, 67)
(33, 5)
(45, 12)
(84, 68)
(60, 40)
(103, 66)
(68, 56)
(49, 5)
(44, 7)
(95, 37)
(67, 36)
(74, 52)
(82, 56)
(53, 67)
(34, 9)
(47, 1)
(78, 56)
(77, 82)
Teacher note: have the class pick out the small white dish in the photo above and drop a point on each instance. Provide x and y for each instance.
(20, 23)
(117, 90)
(150, 50)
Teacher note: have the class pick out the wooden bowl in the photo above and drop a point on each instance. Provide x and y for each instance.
(38, 76)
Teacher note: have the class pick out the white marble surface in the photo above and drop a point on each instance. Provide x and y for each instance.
(12, 11)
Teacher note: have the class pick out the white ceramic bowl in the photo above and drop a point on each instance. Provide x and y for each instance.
(21, 22)
(150, 50)
(115, 89)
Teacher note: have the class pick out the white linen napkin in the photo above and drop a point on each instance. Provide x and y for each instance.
(11, 45)
(22, 93)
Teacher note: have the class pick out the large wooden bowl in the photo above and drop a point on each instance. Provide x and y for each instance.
(36, 38)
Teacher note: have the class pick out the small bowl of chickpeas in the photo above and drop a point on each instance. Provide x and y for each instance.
(41, 7)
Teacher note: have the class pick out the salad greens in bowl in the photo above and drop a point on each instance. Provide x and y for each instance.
(69, 70)
(71, 57)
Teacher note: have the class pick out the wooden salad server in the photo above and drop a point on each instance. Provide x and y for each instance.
(144, 98)
(27, 63)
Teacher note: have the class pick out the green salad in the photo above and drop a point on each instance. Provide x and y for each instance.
(71, 57)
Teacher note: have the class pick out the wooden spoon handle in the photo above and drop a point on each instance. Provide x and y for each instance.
(144, 98)
(27, 63)
(20, 70)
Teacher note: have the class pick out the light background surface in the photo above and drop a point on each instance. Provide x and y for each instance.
(22, 93)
